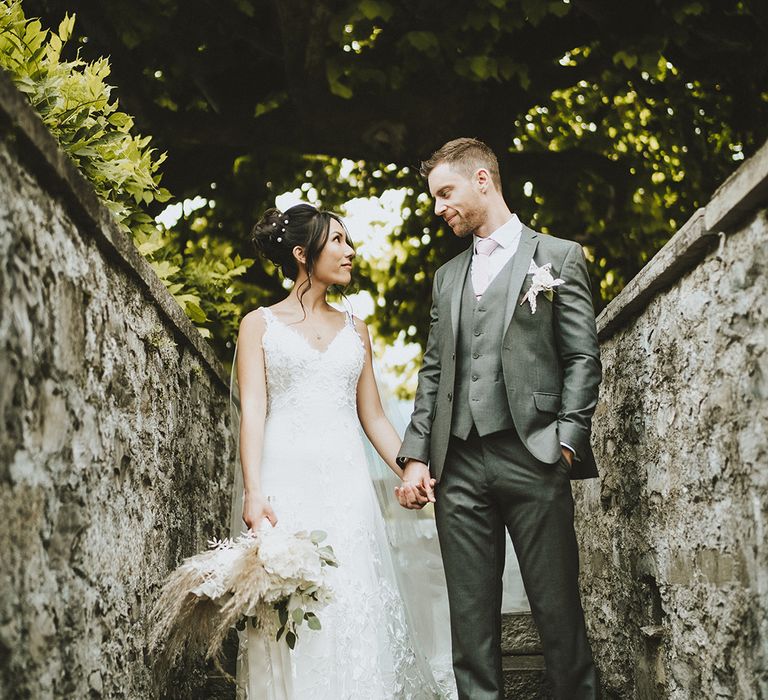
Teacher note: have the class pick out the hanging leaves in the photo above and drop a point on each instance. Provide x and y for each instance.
(74, 101)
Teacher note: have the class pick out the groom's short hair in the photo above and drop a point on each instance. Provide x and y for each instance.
(466, 155)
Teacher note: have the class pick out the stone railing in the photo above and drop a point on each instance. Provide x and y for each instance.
(674, 535)
(115, 453)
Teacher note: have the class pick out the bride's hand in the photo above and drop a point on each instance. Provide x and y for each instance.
(255, 508)
(417, 488)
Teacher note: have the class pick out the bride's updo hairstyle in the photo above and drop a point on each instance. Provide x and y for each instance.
(277, 233)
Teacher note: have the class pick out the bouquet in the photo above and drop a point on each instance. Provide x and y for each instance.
(270, 579)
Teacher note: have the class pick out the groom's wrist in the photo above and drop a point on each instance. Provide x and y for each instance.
(416, 470)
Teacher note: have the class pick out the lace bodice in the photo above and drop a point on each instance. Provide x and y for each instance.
(301, 378)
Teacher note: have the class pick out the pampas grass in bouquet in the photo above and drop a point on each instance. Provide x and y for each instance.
(270, 579)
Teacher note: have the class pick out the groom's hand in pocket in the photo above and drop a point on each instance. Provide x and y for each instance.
(417, 488)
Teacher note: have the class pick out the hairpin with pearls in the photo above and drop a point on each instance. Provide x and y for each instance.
(279, 239)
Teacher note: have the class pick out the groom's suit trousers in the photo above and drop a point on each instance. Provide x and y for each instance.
(488, 484)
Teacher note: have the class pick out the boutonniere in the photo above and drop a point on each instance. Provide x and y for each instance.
(542, 281)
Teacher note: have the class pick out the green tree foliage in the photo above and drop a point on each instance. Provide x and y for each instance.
(613, 120)
(75, 103)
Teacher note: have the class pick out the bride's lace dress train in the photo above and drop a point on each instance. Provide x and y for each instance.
(314, 470)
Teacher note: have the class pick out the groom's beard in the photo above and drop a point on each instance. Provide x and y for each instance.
(468, 222)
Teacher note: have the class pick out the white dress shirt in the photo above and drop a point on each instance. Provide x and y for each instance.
(508, 238)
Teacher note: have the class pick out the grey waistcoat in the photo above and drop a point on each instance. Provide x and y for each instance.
(480, 394)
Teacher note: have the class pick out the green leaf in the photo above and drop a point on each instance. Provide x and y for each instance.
(162, 195)
(484, 67)
(282, 614)
(334, 73)
(317, 536)
(558, 8)
(55, 43)
(66, 26)
(371, 9)
(120, 119)
(535, 10)
(163, 269)
(423, 41)
(290, 639)
(298, 615)
(150, 247)
(245, 7)
(314, 623)
(195, 313)
(629, 60)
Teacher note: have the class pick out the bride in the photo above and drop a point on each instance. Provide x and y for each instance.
(306, 385)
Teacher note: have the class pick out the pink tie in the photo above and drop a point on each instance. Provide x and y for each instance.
(481, 265)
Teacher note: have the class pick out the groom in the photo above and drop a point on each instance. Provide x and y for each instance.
(503, 416)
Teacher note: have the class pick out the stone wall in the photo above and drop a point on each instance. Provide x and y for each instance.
(115, 454)
(674, 536)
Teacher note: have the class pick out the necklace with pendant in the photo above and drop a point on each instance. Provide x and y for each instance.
(312, 328)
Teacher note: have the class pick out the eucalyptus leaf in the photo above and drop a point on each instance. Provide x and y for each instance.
(318, 536)
(282, 614)
(290, 639)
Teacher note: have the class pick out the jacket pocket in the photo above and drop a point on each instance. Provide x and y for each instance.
(545, 402)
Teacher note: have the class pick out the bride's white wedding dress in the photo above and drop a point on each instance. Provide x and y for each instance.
(314, 470)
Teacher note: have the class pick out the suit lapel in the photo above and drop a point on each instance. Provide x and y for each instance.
(520, 265)
(462, 267)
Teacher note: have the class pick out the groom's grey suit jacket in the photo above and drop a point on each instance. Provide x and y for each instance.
(550, 359)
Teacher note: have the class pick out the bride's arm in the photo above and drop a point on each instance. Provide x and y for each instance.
(376, 425)
(253, 411)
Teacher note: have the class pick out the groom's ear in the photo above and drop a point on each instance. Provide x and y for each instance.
(483, 179)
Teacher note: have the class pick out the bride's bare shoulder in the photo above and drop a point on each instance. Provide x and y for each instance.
(252, 325)
(360, 325)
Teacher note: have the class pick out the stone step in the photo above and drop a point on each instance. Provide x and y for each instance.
(522, 660)
(524, 677)
(519, 634)
(522, 663)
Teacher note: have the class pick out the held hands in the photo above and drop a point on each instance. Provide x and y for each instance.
(255, 508)
(417, 487)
